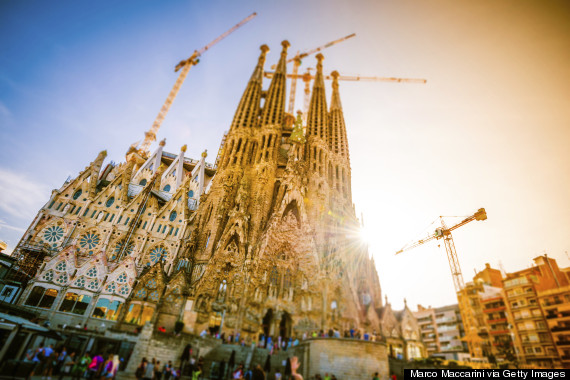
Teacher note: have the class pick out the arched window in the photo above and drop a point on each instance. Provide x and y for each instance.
(77, 194)
(287, 279)
(173, 215)
(142, 182)
(191, 194)
(274, 277)
(110, 202)
(158, 253)
(166, 188)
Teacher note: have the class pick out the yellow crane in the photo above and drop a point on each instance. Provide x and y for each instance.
(185, 65)
(307, 77)
(297, 62)
(471, 336)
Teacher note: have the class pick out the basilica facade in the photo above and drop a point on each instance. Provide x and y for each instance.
(264, 241)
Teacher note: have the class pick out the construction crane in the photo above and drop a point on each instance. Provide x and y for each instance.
(307, 77)
(471, 337)
(297, 62)
(185, 65)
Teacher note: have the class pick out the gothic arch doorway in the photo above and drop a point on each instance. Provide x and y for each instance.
(285, 325)
(266, 323)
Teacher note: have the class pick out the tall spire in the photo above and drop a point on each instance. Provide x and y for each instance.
(337, 139)
(248, 108)
(317, 117)
(274, 107)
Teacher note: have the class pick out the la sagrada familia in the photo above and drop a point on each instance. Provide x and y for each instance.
(263, 242)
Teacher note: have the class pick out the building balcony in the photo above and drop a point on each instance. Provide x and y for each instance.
(499, 332)
(499, 320)
(495, 309)
(563, 343)
(560, 328)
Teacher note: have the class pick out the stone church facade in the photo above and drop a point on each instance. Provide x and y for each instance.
(263, 242)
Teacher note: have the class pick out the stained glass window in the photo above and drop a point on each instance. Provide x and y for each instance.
(151, 284)
(111, 287)
(153, 296)
(122, 279)
(93, 285)
(191, 194)
(80, 282)
(89, 241)
(110, 201)
(141, 293)
(77, 194)
(274, 278)
(166, 188)
(53, 234)
(62, 279)
(92, 272)
(119, 247)
(287, 279)
(124, 290)
(61, 266)
(159, 253)
(173, 215)
(48, 276)
(142, 182)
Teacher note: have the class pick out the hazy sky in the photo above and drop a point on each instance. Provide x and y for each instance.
(491, 128)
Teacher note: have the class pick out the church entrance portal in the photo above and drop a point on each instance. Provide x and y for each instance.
(285, 325)
(266, 323)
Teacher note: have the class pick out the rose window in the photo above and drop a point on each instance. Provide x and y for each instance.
(89, 241)
(159, 253)
(53, 234)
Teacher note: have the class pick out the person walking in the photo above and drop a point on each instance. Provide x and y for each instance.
(294, 366)
(258, 373)
(141, 369)
(66, 365)
(149, 370)
(375, 376)
(80, 368)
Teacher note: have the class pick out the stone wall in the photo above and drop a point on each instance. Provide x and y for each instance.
(345, 358)
(165, 347)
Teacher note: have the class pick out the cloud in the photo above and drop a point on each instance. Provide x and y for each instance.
(4, 111)
(20, 197)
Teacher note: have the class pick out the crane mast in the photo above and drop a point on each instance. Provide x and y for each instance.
(297, 62)
(185, 65)
(469, 322)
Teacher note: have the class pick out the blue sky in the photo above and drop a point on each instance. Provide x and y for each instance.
(489, 129)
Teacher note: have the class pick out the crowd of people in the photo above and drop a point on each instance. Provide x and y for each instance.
(153, 370)
(58, 362)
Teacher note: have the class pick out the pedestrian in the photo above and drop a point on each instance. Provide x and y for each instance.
(60, 359)
(80, 367)
(294, 366)
(49, 361)
(149, 370)
(95, 366)
(258, 373)
(197, 373)
(141, 369)
(375, 376)
(157, 372)
(66, 365)
(167, 370)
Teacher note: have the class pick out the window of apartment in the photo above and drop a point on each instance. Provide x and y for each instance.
(538, 350)
(74, 303)
(41, 297)
(528, 350)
